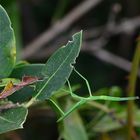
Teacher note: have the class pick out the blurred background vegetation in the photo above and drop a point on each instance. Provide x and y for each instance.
(110, 30)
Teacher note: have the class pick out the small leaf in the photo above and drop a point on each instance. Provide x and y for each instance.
(58, 68)
(27, 80)
(7, 45)
(4, 81)
(10, 88)
(27, 69)
(12, 119)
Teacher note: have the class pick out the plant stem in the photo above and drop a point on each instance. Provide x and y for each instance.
(131, 91)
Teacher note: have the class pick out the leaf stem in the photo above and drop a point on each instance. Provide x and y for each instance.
(131, 91)
(28, 104)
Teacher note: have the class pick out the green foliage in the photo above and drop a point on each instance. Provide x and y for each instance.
(51, 78)
(28, 69)
(7, 45)
(70, 131)
(12, 8)
(12, 119)
(58, 68)
(115, 124)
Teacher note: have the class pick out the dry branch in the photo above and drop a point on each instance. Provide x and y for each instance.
(59, 27)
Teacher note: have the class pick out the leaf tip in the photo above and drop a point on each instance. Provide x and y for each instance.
(78, 34)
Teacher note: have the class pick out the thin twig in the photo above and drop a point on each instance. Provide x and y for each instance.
(115, 9)
(94, 48)
(110, 58)
(131, 92)
(126, 26)
(59, 27)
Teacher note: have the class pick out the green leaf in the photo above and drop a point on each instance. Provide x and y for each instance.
(59, 67)
(27, 69)
(19, 71)
(7, 45)
(22, 95)
(73, 127)
(5, 81)
(12, 119)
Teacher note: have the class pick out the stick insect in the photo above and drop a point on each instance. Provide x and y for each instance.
(83, 100)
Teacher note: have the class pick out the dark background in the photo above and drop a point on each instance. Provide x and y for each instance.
(112, 26)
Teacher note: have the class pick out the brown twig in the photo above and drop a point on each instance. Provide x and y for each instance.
(126, 26)
(59, 27)
(111, 58)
